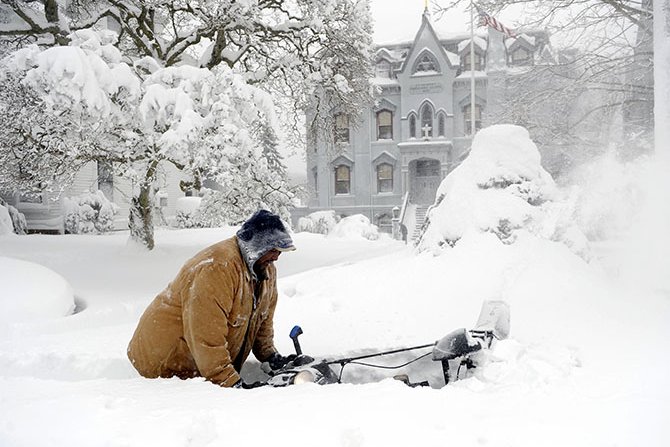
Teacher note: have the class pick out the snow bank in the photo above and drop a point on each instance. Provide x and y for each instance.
(6, 225)
(356, 226)
(500, 188)
(320, 222)
(31, 291)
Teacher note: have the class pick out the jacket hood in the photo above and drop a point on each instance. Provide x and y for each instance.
(261, 233)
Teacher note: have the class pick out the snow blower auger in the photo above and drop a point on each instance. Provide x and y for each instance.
(453, 351)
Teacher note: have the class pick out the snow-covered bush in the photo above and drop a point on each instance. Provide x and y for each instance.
(89, 213)
(321, 222)
(12, 219)
(355, 226)
(185, 212)
(501, 188)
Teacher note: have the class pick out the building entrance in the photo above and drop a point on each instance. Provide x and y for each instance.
(424, 180)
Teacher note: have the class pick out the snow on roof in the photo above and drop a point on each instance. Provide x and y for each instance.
(525, 37)
(480, 42)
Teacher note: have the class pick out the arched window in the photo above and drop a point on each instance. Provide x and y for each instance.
(384, 125)
(427, 120)
(426, 63)
(341, 128)
(440, 125)
(412, 126)
(384, 177)
(342, 179)
(467, 116)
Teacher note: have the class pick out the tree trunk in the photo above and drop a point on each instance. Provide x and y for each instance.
(141, 211)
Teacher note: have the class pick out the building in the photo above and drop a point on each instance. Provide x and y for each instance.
(391, 163)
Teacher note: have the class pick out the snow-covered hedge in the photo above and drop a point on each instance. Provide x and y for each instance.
(11, 219)
(501, 188)
(89, 213)
(186, 211)
(355, 226)
(320, 222)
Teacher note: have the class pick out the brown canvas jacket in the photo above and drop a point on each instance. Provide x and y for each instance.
(205, 323)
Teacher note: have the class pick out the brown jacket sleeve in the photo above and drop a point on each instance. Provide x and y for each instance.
(205, 315)
(264, 344)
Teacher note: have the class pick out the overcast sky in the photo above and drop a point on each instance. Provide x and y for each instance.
(397, 20)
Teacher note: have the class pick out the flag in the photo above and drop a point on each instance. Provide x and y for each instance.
(487, 20)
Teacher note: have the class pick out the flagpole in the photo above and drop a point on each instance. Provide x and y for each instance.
(472, 71)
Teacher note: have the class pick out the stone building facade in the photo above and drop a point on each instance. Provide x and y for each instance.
(391, 162)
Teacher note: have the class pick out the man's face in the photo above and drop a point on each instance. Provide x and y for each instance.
(268, 258)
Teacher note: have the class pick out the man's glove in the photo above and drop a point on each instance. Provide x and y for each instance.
(247, 386)
(278, 361)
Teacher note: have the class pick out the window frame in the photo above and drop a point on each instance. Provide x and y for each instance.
(339, 182)
(412, 126)
(467, 130)
(384, 181)
(430, 121)
(341, 128)
(389, 126)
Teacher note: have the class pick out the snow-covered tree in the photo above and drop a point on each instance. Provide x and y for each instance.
(502, 189)
(186, 83)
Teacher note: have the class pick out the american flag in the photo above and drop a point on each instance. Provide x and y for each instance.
(487, 20)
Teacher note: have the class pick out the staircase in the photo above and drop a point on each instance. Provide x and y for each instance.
(420, 218)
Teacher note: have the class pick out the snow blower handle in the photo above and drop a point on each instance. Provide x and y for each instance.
(295, 333)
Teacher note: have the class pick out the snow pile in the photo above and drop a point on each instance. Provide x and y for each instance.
(320, 222)
(6, 225)
(89, 213)
(501, 188)
(31, 291)
(356, 226)
(186, 210)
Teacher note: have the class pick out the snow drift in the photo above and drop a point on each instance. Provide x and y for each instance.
(501, 188)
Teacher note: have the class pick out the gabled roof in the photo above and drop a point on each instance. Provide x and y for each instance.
(425, 24)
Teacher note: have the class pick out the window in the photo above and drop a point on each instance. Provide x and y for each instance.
(342, 179)
(383, 69)
(426, 63)
(465, 61)
(412, 126)
(384, 177)
(427, 120)
(440, 125)
(106, 179)
(521, 56)
(467, 117)
(341, 128)
(384, 125)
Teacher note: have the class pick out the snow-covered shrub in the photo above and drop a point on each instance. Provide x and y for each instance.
(6, 226)
(89, 213)
(354, 227)
(503, 189)
(321, 222)
(185, 212)
(17, 221)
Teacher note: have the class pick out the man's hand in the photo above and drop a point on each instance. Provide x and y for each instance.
(278, 361)
(247, 386)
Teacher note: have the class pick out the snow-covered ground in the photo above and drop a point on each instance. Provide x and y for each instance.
(585, 364)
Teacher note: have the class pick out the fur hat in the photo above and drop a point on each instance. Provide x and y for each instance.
(261, 233)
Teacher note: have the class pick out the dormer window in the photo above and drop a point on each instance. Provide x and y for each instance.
(521, 56)
(426, 63)
(465, 61)
(383, 69)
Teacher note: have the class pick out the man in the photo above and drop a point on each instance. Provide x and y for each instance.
(217, 310)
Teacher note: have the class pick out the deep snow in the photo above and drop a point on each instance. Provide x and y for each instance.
(584, 365)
